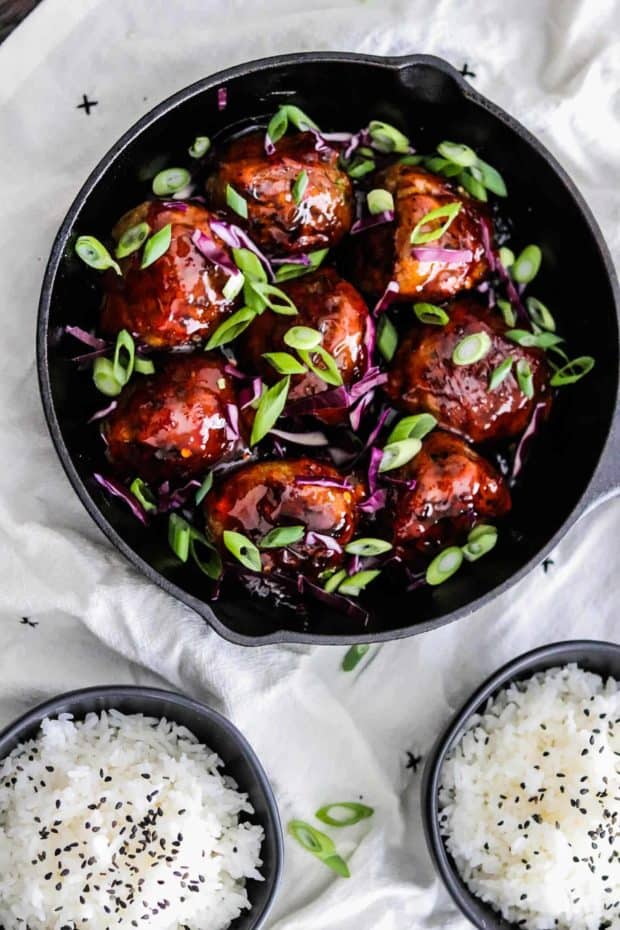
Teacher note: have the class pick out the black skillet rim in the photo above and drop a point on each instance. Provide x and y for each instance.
(599, 483)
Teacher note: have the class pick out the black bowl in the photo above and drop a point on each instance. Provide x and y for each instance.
(576, 459)
(591, 655)
(211, 728)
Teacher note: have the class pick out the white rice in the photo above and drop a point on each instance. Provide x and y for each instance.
(530, 802)
(121, 820)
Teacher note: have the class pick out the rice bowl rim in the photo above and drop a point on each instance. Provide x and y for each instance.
(600, 657)
(79, 703)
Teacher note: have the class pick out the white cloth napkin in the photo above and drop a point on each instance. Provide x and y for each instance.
(323, 735)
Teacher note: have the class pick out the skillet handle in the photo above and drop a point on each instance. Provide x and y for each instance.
(606, 479)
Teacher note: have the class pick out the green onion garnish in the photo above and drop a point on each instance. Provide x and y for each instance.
(282, 536)
(94, 254)
(500, 373)
(411, 160)
(156, 246)
(472, 348)
(298, 118)
(204, 488)
(447, 213)
(320, 845)
(249, 263)
(444, 565)
(379, 201)
(236, 202)
(124, 357)
(510, 317)
(328, 371)
(231, 328)
(368, 546)
(334, 580)
(284, 363)
(132, 239)
(473, 186)
(415, 427)
(492, 179)
(233, 286)
(525, 379)
(353, 813)
(103, 377)
(179, 533)
(526, 265)
(354, 655)
(269, 409)
(274, 298)
(387, 138)
(302, 337)
(170, 180)
(523, 337)
(399, 453)
(431, 314)
(300, 185)
(540, 314)
(360, 168)
(288, 271)
(387, 337)
(573, 371)
(480, 541)
(354, 584)
(143, 494)
(278, 124)
(243, 550)
(458, 154)
(143, 366)
(184, 540)
(506, 257)
(199, 147)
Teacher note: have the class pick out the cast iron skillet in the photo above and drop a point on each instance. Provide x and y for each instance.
(575, 462)
(211, 728)
(591, 655)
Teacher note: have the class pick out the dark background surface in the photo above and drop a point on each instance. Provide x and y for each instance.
(11, 14)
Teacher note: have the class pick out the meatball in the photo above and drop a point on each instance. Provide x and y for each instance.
(275, 221)
(258, 497)
(423, 376)
(444, 491)
(177, 423)
(176, 301)
(384, 253)
(325, 302)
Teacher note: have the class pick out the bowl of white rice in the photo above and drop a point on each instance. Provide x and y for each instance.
(134, 807)
(521, 794)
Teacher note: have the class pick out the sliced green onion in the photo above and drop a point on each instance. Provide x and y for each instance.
(282, 536)
(355, 654)
(143, 494)
(320, 845)
(288, 271)
(298, 118)
(243, 550)
(447, 213)
(156, 246)
(411, 160)
(525, 379)
(328, 371)
(442, 166)
(480, 541)
(523, 337)
(573, 371)
(431, 314)
(458, 153)
(179, 535)
(302, 337)
(124, 357)
(472, 348)
(94, 254)
(506, 257)
(444, 565)
(399, 453)
(527, 265)
(368, 546)
(132, 239)
(500, 373)
(387, 337)
(361, 168)
(233, 286)
(354, 584)
(143, 366)
(300, 185)
(492, 179)
(510, 317)
(379, 201)
(231, 327)
(204, 488)
(212, 565)
(334, 580)
(103, 377)
(170, 180)
(278, 124)
(473, 186)
(353, 813)
(540, 314)
(249, 263)
(236, 202)
(387, 138)
(415, 427)
(200, 146)
(269, 409)
(284, 363)
(274, 298)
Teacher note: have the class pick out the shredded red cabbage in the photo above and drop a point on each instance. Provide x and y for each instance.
(343, 605)
(436, 254)
(310, 438)
(232, 422)
(87, 338)
(375, 502)
(222, 98)
(388, 297)
(356, 412)
(100, 414)
(373, 378)
(302, 259)
(119, 490)
(314, 539)
(237, 238)
(371, 220)
(176, 205)
(211, 250)
(336, 398)
(168, 499)
(249, 393)
(373, 469)
(324, 483)
(525, 440)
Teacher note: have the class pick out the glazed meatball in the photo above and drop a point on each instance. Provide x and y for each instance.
(256, 498)
(176, 301)
(423, 376)
(445, 490)
(325, 302)
(177, 423)
(275, 221)
(384, 253)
